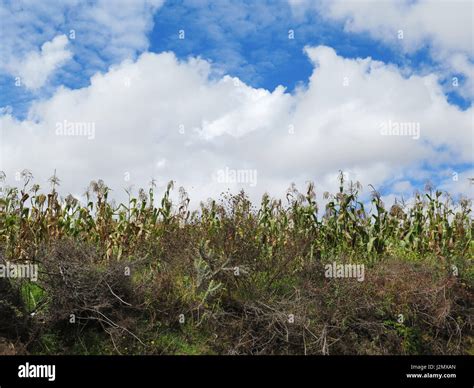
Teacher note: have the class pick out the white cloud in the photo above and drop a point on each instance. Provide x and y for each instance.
(445, 27)
(459, 184)
(36, 67)
(117, 29)
(158, 117)
(403, 187)
(104, 32)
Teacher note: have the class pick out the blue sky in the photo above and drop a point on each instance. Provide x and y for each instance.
(255, 49)
(263, 55)
(249, 40)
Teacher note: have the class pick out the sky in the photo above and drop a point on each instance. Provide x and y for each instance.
(229, 95)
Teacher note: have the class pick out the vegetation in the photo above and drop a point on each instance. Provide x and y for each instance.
(153, 277)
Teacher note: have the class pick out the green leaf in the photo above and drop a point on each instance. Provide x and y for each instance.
(370, 244)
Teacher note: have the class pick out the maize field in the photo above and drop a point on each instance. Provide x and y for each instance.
(152, 276)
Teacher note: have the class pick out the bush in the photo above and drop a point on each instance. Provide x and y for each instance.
(230, 278)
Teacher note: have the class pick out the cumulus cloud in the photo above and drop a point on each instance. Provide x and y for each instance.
(168, 119)
(101, 32)
(36, 67)
(444, 27)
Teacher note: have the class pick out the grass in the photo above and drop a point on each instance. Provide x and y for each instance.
(150, 276)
